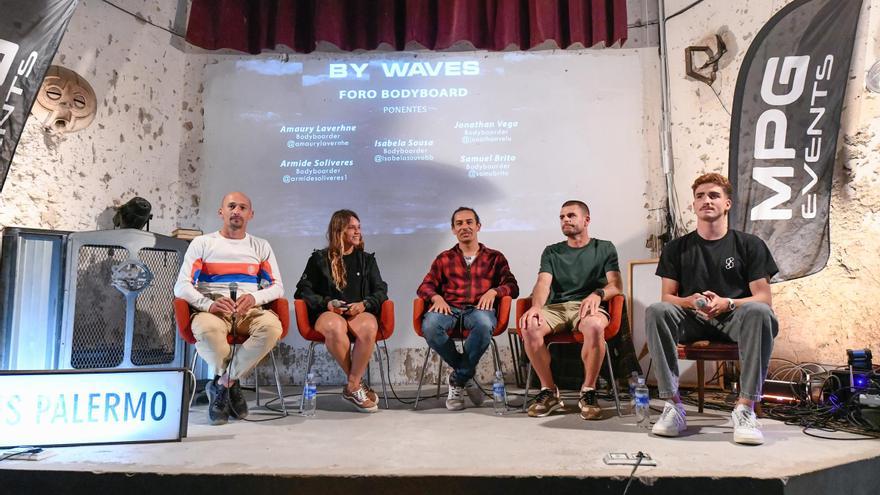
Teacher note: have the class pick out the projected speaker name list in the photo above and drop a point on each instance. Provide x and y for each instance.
(483, 133)
(402, 150)
(322, 167)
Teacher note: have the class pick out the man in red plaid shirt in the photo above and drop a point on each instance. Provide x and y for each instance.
(462, 287)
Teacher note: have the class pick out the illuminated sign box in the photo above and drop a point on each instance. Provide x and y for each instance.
(92, 406)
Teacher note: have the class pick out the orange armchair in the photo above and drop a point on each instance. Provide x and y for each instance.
(183, 317)
(615, 310)
(420, 306)
(308, 332)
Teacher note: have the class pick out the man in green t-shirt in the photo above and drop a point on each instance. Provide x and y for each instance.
(577, 278)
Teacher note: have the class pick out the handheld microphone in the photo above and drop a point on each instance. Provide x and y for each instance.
(233, 294)
(702, 304)
(336, 303)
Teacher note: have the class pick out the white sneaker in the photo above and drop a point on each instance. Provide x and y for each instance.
(455, 398)
(671, 422)
(475, 394)
(746, 429)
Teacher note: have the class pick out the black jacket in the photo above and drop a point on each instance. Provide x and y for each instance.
(316, 285)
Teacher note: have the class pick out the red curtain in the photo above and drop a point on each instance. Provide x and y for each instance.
(255, 25)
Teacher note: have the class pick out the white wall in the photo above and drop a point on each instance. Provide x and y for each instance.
(68, 182)
(822, 315)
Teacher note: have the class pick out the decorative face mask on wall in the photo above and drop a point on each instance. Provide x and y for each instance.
(66, 102)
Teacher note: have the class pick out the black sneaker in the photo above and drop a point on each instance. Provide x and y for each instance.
(589, 406)
(218, 403)
(238, 407)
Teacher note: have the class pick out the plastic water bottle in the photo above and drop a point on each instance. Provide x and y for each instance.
(310, 396)
(633, 382)
(499, 394)
(643, 404)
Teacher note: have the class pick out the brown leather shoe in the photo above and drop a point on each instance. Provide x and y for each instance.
(371, 394)
(360, 400)
(545, 403)
(589, 405)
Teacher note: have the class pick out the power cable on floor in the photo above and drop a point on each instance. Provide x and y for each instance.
(632, 474)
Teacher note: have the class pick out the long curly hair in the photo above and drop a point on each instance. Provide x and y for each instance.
(336, 245)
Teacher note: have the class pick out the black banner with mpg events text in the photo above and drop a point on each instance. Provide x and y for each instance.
(30, 31)
(783, 134)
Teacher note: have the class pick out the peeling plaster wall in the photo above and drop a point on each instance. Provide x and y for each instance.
(824, 314)
(404, 366)
(69, 182)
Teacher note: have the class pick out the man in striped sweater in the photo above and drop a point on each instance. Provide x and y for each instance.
(217, 265)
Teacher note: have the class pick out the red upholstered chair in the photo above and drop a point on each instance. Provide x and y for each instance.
(308, 332)
(615, 309)
(702, 351)
(502, 313)
(183, 316)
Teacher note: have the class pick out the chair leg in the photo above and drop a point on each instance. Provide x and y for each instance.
(192, 372)
(701, 390)
(382, 376)
(526, 392)
(496, 357)
(257, 381)
(277, 382)
(422, 378)
(513, 342)
(613, 380)
(439, 373)
(309, 357)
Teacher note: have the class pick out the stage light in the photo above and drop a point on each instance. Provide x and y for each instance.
(134, 214)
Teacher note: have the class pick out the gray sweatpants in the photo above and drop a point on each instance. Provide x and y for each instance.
(752, 326)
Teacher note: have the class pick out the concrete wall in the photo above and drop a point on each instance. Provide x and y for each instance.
(824, 314)
(69, 182)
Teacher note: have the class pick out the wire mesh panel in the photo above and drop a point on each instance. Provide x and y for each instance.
(98, 338)
(154, 326)
(118, 309)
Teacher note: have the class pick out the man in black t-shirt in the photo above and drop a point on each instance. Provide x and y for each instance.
(715, 286)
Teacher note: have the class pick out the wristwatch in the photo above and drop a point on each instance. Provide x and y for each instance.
(600, 293)
(730, 304)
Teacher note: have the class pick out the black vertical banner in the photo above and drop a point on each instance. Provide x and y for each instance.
(30, 31)
(784, 126)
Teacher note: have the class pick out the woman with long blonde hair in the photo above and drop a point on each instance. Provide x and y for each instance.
(344, 291)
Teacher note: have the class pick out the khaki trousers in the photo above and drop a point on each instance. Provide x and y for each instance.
(210, 331)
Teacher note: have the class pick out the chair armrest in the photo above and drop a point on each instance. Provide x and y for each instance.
(182, 316)
(417, 314)
(522, 305)
(386, 320)
(301, 311)
(502, 313)
(281, 308)
(615, 310)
